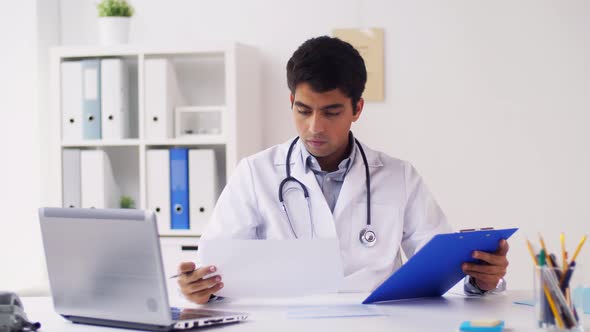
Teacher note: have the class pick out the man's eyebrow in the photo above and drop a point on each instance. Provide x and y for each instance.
(324, 108)
(300, 104)
(331, 107)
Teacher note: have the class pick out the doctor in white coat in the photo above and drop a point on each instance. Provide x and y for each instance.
(326, 77)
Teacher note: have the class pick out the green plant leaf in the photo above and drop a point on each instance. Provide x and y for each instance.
(126, 202)
(120, 8)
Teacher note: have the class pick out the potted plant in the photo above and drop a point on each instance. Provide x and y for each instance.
(113, 21)
(127, 203)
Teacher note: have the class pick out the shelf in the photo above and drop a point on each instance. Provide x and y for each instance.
(198, 121)
(213, 87)
(192, 140)
(213, 48)
(177, 234)
(204, 108)
(100, 143)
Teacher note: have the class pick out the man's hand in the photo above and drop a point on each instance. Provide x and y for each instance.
(488, 274)
(193, 284)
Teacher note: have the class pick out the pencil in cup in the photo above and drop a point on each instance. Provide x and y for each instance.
(566, 312)
(557, 304)
(545, 309)
(547, 312)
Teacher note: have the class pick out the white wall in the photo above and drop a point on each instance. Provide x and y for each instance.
(489, 99)
(23, 73)
(24, 68)
(48, 35)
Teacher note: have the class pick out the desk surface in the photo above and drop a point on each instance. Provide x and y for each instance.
(439, 314)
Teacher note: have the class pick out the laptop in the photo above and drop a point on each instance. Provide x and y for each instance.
(105, 268)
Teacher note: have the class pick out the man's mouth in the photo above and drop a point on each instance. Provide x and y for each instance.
(316, 142)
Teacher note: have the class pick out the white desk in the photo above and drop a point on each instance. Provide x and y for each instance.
(442, 314)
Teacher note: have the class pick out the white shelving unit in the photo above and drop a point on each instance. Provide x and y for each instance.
(218, 81)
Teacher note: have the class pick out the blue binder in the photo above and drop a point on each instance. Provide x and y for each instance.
(435, 268)
(179, 207)
(91, 99)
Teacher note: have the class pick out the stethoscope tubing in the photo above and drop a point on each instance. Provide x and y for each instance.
(367, 241)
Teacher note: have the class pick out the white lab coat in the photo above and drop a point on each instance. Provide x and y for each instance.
(403, 212)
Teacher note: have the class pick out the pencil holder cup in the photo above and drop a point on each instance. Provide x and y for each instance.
(558, 298)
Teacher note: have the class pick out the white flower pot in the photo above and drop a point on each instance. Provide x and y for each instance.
(113, 30)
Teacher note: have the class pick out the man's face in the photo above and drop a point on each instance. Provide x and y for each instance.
(323, 120)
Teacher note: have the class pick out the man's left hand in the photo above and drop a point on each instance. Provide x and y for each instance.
(488, 275)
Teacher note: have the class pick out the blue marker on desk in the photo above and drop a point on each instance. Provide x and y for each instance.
(482, 326)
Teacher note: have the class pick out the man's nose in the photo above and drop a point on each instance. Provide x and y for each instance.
(316, 123)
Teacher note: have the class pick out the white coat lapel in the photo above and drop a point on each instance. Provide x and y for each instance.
(353, 189)
(323, 221)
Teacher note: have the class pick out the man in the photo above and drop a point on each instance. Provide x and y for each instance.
(327, 77)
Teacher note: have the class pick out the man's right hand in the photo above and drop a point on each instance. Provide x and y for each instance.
(193, 284)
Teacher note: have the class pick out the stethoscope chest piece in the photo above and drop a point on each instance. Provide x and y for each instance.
(367, 237)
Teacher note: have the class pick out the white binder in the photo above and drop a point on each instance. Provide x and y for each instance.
(98, 186)
(160, 98)
(158, 187)
(71, 178)
(115, 98)
(203, 187)
(71, 101)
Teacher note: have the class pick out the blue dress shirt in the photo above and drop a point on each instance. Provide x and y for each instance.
(330, 182)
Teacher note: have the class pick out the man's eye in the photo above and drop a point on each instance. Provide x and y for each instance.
(332, 114)
(304, 112)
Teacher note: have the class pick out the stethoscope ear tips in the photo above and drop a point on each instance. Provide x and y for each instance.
(367, 237)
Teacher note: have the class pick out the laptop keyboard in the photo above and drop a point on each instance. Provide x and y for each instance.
(175, 313)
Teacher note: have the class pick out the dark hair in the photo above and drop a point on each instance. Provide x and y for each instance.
(327, 63)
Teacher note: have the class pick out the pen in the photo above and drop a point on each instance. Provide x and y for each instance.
(562, 240)
(557, 312)
(567, 276)
(549, 306)
(560, 301)
(210, 269)
(179, 274)
(548, 297)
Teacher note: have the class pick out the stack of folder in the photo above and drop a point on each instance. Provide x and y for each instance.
(161, 97)
(185, 199)
(88, 180)
(182, 184)
(95, 99)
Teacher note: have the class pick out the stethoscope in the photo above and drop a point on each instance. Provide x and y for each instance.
(366, 235)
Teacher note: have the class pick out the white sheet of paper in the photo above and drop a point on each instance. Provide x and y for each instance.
(335, 311)
(274, 268)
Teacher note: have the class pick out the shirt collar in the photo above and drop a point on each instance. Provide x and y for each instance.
(311, 163)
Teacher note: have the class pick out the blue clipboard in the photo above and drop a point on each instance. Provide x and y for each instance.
(435, 268)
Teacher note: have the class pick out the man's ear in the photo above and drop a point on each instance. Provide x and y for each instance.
(359, 109)
(292, 98)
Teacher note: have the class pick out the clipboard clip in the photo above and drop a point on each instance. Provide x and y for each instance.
(476, 229)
